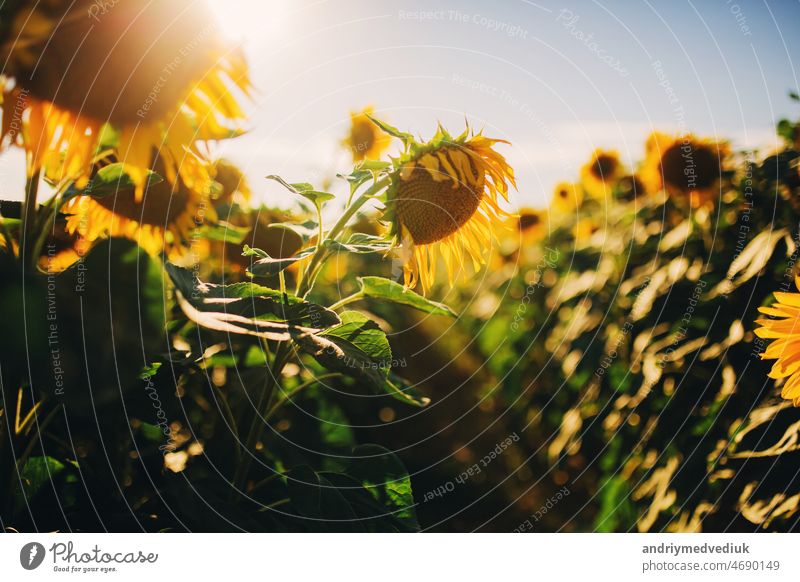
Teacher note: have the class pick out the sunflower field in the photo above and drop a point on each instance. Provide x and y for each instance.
(416, 354)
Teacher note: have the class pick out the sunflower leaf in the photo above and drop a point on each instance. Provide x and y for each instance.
(381, 288)
(223, 232)
(245, 308)
(269, 266)
(304, 189)
(393, 131)
(111, 180)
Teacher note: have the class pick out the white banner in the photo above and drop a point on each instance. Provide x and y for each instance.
(396, 557)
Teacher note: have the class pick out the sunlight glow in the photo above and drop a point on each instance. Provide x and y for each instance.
(252, 22)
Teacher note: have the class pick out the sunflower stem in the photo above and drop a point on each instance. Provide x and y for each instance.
(319, 256)
(29, 218)
(346, 300)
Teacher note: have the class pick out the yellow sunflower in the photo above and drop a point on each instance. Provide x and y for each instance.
(163, 219)
(687, 168)
(443, 202)
(566, 197)
(600, 174)
(156, 74)
(62, 249)
(785, 330)
(365, 140)
(531, 225)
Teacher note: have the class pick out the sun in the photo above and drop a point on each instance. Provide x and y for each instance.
(252, 22)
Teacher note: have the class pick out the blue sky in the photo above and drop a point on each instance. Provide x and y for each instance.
(557, 79)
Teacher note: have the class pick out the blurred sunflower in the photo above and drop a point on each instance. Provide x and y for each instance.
(163, 219)
(157, 73)
(443, 201)
(601, 172)
(365, 140)
(531, 225)
(785, 330)
(566, 197)
(584, 229)
(630, 187)
(687, 168)
(278, 243)
(62, 249)
(233, 185)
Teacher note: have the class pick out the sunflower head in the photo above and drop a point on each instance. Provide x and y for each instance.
(443, 202)
(158, 73)
(62, 249)
(783, 329)
(687, 168)
(365, 140)
(630, 187)
(163, 220)
(600, 174)
(531, 225)
(567, 197)
(233, 185)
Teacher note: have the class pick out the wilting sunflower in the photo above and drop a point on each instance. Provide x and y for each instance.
(365, 140)
(162, 220)
(601, 172)
(785, 330)
(566, 197)
(443, 202)
(154, 75)
(687, 168)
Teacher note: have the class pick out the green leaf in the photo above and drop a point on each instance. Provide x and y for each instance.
(381, 288)
(111, 180)
(305, 190)
(384, 476)
(363, 333)
(247, 308)
(306, 231)
(393, 131)
(380, 246)
(268, 266)
(314, 497)
(224, 232)
(400, 389)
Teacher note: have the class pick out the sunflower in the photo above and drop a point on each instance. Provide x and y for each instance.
(234, 188)
(443, 201)
(601, 172)
(62, 249)
(566, 197)
(687, 167)
(153, 75)
(278, 243)
(630, 187)
(163, 219)
(531, 225)
(584, 229)
(365, 140)
(785, 330)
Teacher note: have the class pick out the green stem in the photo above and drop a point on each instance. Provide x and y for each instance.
(296, 391)
(351, 299)
(29, 218)
(309, 275)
